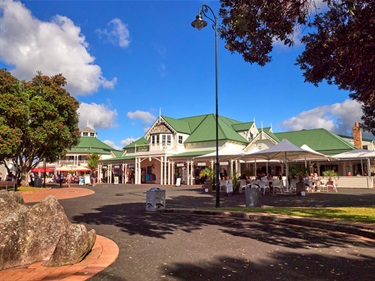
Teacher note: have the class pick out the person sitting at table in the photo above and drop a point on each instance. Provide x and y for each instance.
(316, 181)
(308, 183)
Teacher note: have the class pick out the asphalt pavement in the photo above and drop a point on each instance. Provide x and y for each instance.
(193, 246)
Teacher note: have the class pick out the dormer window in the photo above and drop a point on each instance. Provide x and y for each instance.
(85, 134)
(180, 139)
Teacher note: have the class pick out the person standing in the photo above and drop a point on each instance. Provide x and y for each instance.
(93, 177)
(69, 179)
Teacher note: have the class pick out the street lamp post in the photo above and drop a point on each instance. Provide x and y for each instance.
(199, 23)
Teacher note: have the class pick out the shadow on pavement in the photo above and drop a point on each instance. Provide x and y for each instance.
(133, 220)
(285, 266)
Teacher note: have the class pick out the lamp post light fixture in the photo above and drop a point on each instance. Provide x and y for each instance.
(199, 23)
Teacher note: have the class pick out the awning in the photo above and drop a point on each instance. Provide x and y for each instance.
(42, 170)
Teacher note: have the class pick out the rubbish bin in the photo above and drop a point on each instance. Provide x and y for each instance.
(252, 196)
(37, 182)
(155, 199)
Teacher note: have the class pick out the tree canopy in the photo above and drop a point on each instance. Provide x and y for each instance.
(93, 161)
(38, 121)
(340, 47)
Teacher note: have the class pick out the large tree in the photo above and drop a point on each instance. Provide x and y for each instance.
(340, 47)
(38, 122)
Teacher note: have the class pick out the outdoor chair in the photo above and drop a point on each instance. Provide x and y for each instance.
(293, 185)
(322, 186)
(278, 186)
(223, 185)
(331, 185)
(264, 187)
(243, 185)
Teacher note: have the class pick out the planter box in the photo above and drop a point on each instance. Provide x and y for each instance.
(300, 187)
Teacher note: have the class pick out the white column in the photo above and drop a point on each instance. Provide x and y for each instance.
(170, 175)
(165, 169)
(173, 171)
(137, 172)
(161, 170)
(124, 168)
(110, 173)
(189, 172)
(100, 173)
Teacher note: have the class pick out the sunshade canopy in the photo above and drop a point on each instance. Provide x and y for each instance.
(42, 170)
(356, 154)
(285, 151)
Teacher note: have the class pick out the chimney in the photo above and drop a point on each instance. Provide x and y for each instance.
(357, 135)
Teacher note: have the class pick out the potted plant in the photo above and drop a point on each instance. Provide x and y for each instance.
(299, 173)
(208, 175)
(235, 181)
(330, 174)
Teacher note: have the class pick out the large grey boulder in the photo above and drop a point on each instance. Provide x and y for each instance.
(41, 232)
(73, 246)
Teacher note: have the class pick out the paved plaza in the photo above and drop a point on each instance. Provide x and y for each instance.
(188, 246)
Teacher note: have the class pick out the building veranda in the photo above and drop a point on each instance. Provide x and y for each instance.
(179, 149)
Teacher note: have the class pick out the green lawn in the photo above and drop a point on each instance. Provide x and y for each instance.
(355, 214)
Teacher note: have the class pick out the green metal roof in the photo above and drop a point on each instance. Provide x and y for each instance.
(138, 142)
(180, 126)
(240, 127)
(320, 140)
(89, 151)
(206, 130)
(267, 130)
(117, 153)
(93, 142)
(92, 145)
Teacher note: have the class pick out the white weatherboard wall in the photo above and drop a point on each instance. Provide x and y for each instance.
(355, 182)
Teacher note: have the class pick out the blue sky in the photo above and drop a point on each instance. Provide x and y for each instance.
(127, 61)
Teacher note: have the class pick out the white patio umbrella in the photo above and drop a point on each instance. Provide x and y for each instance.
(356, 154)
(286, 152)
(308, 148)
(81, 169)
(64, 169)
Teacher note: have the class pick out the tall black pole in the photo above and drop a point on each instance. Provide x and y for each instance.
(199, 23)
(217, 166)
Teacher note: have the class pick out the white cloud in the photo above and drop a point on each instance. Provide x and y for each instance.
(316, 6)
(295, 37)
(50, 47)
(128, 141)
(338, 118)
(145, 117)
(161, 50)
(117, 33)
(162, 69)
(112, 144)
(96, 115)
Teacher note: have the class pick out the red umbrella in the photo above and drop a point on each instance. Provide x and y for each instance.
(42, 170)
